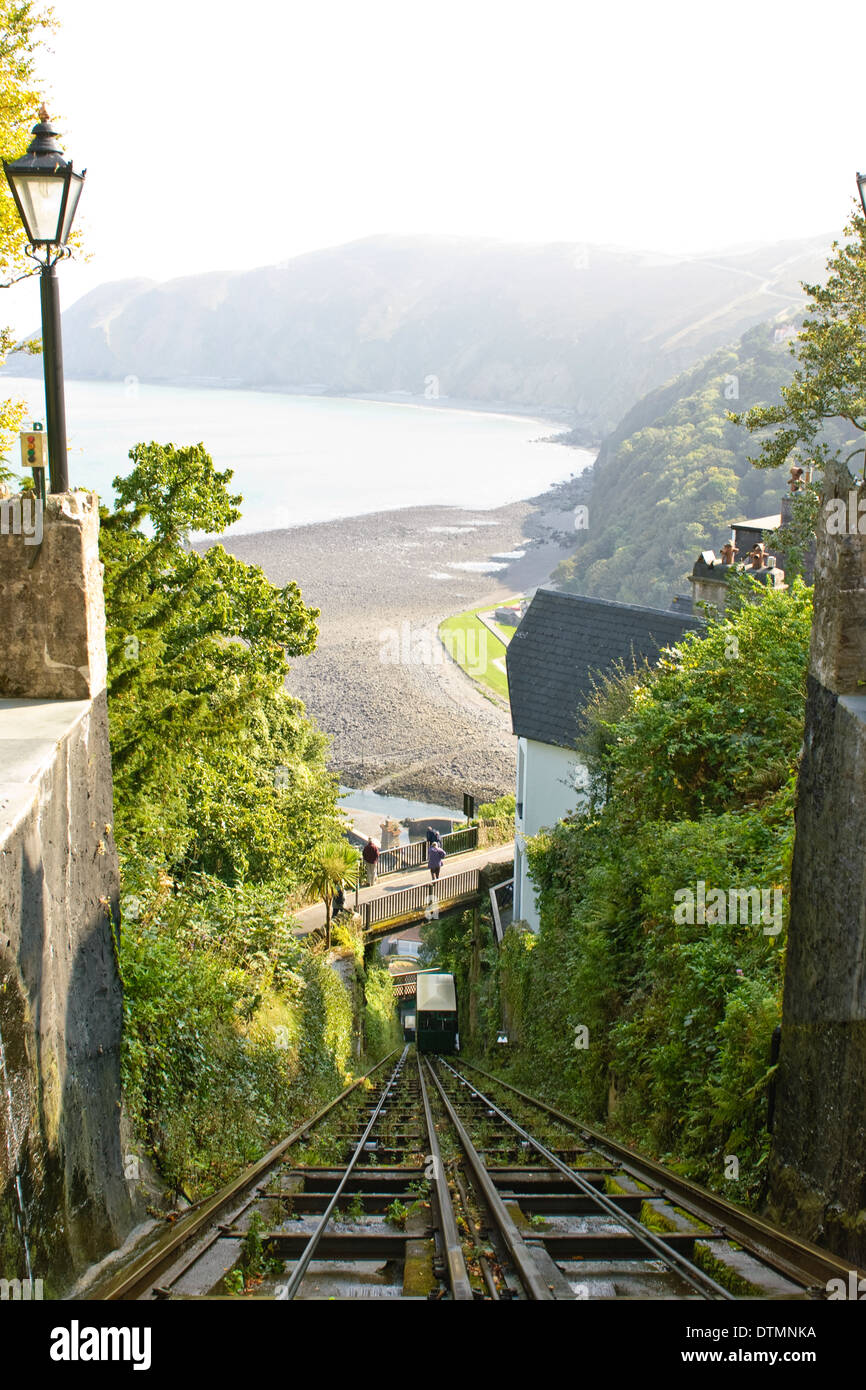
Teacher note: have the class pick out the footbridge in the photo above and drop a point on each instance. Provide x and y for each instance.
(410, 898)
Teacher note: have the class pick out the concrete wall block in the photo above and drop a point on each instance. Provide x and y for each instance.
(60, 1013)
(838, 653)
(826, 969)
(52, 603)
(817, 1187)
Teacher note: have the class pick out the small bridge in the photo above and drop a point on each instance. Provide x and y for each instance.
(385, 909)
(405, 907)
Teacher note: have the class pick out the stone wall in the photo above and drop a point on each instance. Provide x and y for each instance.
(818, 1160)
(64, 1199)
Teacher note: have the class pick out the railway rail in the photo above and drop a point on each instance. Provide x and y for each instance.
(431, 1179)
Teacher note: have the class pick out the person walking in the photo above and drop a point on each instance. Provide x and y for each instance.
(433, 836)
(370, 856)
(435, 855)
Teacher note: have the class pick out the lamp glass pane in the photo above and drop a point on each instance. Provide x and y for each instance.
(41, 199)
(76, 183)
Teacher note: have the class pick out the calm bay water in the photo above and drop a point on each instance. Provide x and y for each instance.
(299, 459)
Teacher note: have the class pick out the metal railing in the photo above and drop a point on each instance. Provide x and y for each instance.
(412, 856)
(421, 899)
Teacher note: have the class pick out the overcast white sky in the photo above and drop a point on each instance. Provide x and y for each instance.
(231, 135)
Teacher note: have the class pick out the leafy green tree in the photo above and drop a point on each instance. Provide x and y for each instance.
(216, 767)
(334, 866)
(720, 721)
(822, 414)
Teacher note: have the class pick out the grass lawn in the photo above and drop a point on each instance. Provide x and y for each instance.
(475, 648)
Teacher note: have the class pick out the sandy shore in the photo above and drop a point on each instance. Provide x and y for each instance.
(403, 717)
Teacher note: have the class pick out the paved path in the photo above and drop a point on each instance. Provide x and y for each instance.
(312, 917)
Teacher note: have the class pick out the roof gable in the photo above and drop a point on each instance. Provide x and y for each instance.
(564, 641)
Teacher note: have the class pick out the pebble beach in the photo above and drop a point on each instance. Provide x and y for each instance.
(404, 718)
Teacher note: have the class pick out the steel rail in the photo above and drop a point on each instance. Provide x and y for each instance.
(797, 1259)
(458, 1275)
(483, 1262)
(527, 1270)
(300, 1269)
(702, 1283)
(134, 1277)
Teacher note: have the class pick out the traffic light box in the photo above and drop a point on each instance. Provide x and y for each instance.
(34, 447)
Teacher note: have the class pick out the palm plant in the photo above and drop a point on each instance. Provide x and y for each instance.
(334, 865)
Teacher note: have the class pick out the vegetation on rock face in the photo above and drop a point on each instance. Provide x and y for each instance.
(674, 474)
(234, 1030)
(697, 758)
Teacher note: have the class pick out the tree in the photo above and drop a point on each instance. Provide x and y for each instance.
(335, 864)
(718, 723)
(822, 414)
(216, 767)
(22, 24)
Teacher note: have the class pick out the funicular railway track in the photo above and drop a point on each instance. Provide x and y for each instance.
(423, 1183)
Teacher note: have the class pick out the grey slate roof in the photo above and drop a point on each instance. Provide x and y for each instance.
(562, 642)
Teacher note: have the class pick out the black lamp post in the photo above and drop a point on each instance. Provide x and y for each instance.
(46, 190)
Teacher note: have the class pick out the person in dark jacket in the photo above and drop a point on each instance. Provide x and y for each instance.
(433, 836)
(435, 855)
(370, 856)
(339, 901)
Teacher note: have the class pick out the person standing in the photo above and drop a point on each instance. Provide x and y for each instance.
(433, 836)
(370, 856)
(435, 855)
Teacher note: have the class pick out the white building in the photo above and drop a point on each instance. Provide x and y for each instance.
(563, 642)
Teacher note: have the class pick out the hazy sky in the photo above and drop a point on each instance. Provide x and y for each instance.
(231, 135)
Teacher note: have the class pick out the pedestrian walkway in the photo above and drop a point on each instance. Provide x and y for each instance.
(311, 918)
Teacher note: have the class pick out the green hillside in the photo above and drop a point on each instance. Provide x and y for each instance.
(674, 474)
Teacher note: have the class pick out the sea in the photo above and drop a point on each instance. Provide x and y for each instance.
(299, 459)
